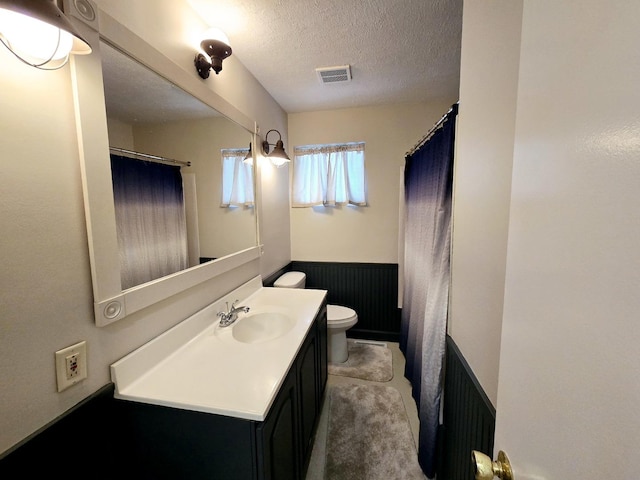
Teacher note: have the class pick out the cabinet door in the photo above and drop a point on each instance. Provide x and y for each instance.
(307, 385)
(278, 436)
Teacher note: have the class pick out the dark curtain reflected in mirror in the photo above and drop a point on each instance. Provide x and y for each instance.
(150, 219)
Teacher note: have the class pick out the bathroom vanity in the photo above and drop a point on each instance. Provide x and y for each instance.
(235, 402)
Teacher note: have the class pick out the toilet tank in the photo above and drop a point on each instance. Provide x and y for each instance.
(291, 280)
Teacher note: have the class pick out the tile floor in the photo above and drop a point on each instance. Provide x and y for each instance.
(316, 464)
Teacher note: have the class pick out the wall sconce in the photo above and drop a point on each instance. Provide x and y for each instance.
(248, 159)
(39, 34)
(216, 46)
(278, 157)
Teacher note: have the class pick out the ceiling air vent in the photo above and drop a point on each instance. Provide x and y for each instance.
(334, 74)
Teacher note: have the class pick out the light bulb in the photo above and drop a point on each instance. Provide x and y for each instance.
(278, 161)
(34, 40)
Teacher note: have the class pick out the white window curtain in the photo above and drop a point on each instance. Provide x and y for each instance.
(237, 179)
(329, 175)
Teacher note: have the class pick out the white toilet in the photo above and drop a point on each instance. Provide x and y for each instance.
(339, 319)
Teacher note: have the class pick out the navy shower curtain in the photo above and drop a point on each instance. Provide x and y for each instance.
(428, 206)
(150, 219)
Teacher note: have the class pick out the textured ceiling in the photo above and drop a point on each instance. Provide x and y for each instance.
(398, 50)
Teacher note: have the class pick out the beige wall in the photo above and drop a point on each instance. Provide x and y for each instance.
(482, 190)
(273, 217)
(45, 294)
(120, 134)
(360, 234)
(45, 288)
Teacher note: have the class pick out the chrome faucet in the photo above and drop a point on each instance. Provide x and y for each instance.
(231, 315)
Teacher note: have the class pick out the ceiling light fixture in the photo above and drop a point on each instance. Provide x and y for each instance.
(39, 34)
(217, 48)
(278, 157)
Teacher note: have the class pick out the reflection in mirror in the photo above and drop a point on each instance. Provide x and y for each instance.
(149, 115)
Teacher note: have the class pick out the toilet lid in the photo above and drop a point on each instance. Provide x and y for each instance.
(338, 313)
(289, 279)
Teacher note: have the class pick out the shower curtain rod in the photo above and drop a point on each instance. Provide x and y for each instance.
(433, 129)
(147, 157)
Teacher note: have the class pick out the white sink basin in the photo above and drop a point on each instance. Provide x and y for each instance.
(261, 327)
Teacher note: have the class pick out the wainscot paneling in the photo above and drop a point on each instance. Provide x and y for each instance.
(371, 289)
(85, 442)
(469, 418)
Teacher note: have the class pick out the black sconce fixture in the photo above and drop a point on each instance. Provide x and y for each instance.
(39, 34)
(278, 157)
(216, 46)
(249, 156)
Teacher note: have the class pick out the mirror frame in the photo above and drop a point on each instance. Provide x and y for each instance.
(111, 303)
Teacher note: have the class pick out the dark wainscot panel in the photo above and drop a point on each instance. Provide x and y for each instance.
(85, 441)
(371, 289)
(469, 418)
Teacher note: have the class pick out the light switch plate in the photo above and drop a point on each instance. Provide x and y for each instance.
(71, 365)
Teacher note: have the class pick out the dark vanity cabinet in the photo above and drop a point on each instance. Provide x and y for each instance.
(278, 437)
(162, 442)
(285, 438)
(308, 400)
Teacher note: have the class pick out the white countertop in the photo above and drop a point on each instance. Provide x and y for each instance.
(197, 365)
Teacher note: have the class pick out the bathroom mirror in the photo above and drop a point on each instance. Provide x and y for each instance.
(149, 115)
(210, 119)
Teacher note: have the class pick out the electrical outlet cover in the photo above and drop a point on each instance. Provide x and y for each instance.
(71, 365)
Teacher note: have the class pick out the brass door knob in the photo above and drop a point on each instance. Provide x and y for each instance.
(485, 469)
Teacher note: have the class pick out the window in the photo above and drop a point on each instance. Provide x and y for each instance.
(329, 175)
(237, 179)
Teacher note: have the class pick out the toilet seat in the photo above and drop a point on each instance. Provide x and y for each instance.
(340, 317)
